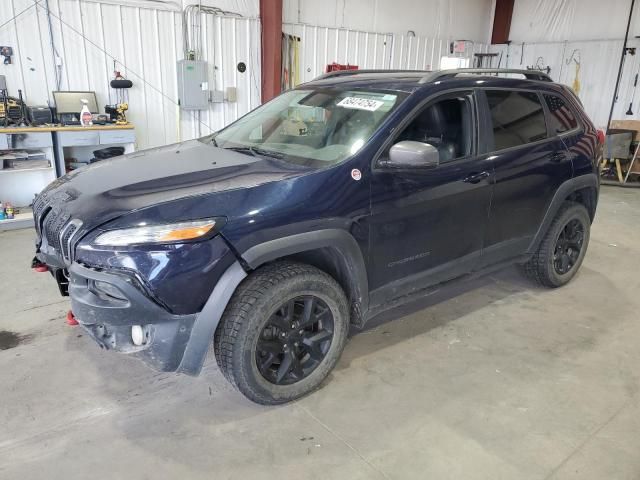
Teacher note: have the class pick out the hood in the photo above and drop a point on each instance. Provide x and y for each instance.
(110, 188)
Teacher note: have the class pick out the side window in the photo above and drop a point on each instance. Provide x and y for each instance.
(517, 117)
(561, 119)
(446, 124)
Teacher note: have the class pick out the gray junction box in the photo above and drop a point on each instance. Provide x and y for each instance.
(193, 87)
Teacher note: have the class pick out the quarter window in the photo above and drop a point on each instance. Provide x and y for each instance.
(561, 119)
(517, 117)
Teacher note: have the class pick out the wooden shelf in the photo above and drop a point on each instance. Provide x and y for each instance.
(61, 128)
(37, 169)
(21, 220)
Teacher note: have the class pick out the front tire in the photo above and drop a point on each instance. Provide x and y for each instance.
(562, 249)
(282, 332)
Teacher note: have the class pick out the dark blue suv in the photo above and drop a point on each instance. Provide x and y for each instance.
(316, 211)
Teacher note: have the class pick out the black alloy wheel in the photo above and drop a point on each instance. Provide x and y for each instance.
(568, 246)
(282, 332)
(562, 249)
(294, 340)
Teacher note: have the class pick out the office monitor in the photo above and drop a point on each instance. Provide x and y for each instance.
(71, 102)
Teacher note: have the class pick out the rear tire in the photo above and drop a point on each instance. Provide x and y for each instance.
(562, 249)
(282, 332)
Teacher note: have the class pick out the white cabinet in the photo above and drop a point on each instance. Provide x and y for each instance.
(18, 186)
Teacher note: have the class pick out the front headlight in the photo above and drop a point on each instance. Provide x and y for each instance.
(172, 232)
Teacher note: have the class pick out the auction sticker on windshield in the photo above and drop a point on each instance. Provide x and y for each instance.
(360, 103)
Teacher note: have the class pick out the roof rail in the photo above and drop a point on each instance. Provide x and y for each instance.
(341, 73)
(528, 74)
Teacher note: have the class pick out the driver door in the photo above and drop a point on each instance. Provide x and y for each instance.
(428, 224)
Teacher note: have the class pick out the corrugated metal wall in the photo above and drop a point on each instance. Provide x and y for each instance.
(595, 63)
(571, 20)
(424, 53)
(146, 42)
(456, 19)
(321, 46)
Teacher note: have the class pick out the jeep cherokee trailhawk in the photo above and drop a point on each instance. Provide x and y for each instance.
(316, 211)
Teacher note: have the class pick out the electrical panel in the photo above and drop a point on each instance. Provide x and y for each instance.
(193, 87)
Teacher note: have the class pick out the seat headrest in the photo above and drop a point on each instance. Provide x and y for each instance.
(433, 121)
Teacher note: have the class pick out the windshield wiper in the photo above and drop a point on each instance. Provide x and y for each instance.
(256, 152)
(267, 153)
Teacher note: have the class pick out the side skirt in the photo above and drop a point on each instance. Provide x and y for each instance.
(418, 293)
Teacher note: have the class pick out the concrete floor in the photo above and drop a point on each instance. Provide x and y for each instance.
(496, 380)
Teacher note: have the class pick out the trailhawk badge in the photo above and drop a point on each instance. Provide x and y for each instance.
(356, 174)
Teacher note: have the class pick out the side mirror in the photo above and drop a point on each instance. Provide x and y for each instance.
(410, 154)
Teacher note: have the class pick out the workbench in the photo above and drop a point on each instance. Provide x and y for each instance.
(19, 186)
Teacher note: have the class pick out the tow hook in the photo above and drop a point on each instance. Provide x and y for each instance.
(38, 266)
(71, 319)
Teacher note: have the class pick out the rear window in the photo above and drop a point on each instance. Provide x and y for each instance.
(561, 118)
(517, 117)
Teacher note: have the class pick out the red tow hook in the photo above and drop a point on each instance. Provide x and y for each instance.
(71, 319)
(38, 266)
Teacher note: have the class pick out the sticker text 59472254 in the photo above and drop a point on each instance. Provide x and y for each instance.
(360, 103)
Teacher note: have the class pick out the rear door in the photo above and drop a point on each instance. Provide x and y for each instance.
(530, 163)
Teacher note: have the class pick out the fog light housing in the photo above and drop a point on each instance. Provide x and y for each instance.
(108, 289)
(137, 335)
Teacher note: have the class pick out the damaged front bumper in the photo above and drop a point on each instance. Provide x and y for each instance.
(109, 304)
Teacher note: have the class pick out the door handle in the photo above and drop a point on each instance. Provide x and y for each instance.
(476, 177)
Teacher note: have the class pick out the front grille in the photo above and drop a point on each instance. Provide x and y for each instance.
(65, 238)
(40, 206)
(52, 228)
(53, 222)
(68, 233)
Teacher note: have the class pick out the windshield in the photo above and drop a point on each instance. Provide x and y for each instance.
(314, 127)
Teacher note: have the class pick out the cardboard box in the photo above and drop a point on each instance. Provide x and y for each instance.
(628, 125)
